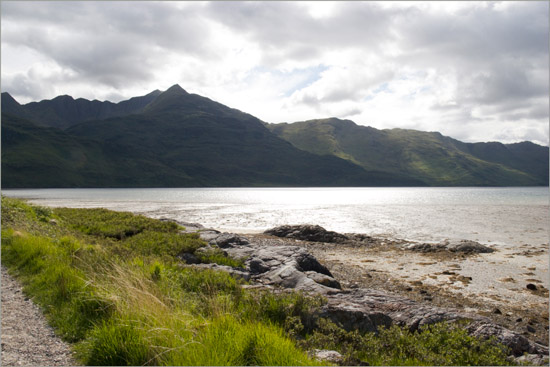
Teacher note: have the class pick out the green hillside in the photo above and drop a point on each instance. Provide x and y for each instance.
(426, 156)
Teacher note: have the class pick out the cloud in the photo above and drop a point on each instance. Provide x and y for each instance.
(472, 70)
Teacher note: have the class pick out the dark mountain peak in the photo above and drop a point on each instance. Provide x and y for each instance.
(176, 89)
(63, 98)
(174, 98)
(12, 107)
(7, 97)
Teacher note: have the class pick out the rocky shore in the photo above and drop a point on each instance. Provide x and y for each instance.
(363, 296)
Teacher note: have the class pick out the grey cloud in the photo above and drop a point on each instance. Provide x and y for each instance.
(286, 27)
(114, 44)
(21, 85)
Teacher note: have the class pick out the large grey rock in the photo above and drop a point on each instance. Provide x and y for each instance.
(285, 266)
(307, 232)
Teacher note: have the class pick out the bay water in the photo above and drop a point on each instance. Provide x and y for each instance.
(507, 216)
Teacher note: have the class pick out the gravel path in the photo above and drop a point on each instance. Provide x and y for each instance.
(27, 339)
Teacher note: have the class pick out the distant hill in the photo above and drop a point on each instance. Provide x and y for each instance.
(426, 156)
(178, 139)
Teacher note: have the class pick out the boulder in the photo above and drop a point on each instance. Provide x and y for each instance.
(226, 240)
(307, 232)
(330, 356)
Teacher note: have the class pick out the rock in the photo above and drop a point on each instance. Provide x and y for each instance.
(234, 272)
(531, 286)
(308, 262)
(425, 247)
(257, 266)
(226, 240)
(532, 360)
(531, 329)
(208, 234)
(307, 232)
(462, 246)
(285, 266)
(517, 343)
(469, 247)
(323, 279)
(330, 356)
(497, 311)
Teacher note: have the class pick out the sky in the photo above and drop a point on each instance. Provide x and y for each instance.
(475, 71)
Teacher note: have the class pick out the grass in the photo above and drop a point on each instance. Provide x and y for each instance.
(111, 284)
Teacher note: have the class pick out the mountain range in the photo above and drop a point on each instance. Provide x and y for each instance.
(177, 139)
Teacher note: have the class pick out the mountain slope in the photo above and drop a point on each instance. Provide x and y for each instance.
(430, 157)
(34, 156)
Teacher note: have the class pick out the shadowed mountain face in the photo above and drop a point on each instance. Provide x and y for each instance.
(178, 139)
(426, 156)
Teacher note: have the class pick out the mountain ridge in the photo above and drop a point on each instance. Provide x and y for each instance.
(179, 139)
(427, 156)
(183, 140)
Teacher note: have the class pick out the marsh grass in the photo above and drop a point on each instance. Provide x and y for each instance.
(111, 284)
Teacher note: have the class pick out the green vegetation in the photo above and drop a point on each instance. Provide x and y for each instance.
(440, 344)
(425, 156)
(111, 284)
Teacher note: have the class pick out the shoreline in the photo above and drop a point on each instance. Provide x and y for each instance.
(447, 280)
(353, 297)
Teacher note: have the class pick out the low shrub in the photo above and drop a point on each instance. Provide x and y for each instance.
(441, 344)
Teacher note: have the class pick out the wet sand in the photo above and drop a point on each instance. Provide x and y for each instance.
(489, 284)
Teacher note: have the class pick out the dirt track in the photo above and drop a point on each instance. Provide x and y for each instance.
(27, 339)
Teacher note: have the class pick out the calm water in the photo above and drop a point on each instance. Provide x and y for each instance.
(507, 216)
